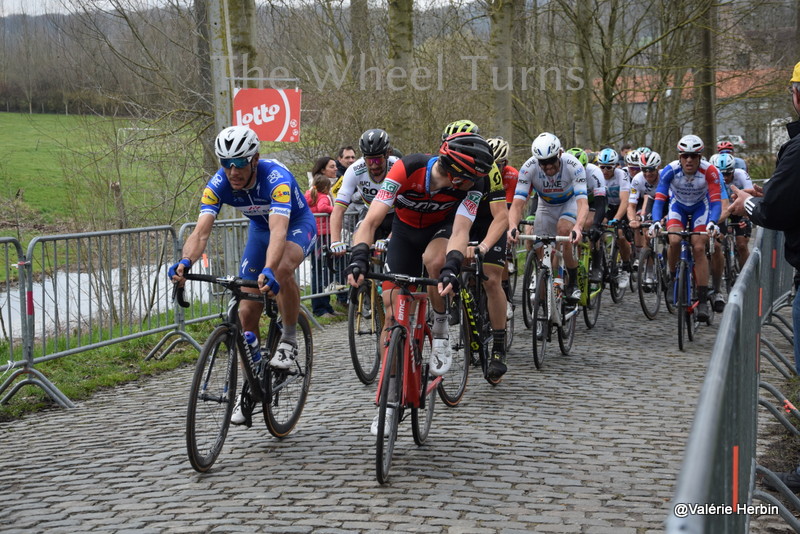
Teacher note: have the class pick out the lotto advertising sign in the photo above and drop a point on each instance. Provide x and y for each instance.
(274, 114)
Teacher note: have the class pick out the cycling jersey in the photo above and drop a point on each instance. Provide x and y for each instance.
(407, 187)
(358, 179)
(492, 191)
(275, 192)
(510, 176)
(688, 191)
(641, 187)
(595, 182)
(740, 179)
(617, 184)
(568, 182)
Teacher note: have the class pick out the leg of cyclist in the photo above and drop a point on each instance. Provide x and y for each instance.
(717, 269)
(699, 244)
(433, 258)
(495, 301)
(743, 230)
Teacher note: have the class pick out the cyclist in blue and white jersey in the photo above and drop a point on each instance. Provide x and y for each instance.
(742, 226)
(695, 187)
(559, 180)
(364, 177)
(618, 187)
(281, 233)
(726, 147)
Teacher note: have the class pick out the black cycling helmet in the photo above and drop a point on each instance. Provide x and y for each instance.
(375, 142)
(466, 155)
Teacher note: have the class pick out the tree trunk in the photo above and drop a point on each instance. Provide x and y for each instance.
(401, 55)
(501, 15)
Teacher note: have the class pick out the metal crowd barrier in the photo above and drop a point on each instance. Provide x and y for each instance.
(77, 292)
(716, 486)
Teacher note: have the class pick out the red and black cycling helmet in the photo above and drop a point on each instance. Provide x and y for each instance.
(466, 155)
(724, 146)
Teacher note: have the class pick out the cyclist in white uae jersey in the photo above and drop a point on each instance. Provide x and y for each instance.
(618, 187)
(364, 177)
(643, 192)
(559, 180)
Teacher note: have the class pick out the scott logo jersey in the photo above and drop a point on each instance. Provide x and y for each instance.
(275, 193)
(407, 187)
(358, 179)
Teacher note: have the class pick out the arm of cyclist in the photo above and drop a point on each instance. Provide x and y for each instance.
(583, 211)
(364, 238)
(600, 206)
(193, 248)
(278, 229)
(456, 247)
(514, 216)
(496, 228)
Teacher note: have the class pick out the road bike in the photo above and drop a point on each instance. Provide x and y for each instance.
(404, 384)
(654, 279)
(282, 392)
(614, 259)
(729, 251)
(365, 317)
(591, 292)
(685, 294)
(549, 307)
(471, 311)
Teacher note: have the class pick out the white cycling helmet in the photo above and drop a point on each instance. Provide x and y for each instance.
(236, 142)
(634, 158)
(653, 159)
(546, 146)
(690, 144)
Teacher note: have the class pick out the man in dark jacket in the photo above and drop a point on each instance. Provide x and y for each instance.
(776, 207)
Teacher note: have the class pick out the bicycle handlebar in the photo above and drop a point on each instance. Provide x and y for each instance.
(546, 238)
(399, 279)
(229, 282)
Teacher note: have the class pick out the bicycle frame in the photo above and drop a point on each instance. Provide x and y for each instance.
(545, 266)
(416, 387)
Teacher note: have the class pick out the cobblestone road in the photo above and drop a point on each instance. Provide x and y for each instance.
(592, 443)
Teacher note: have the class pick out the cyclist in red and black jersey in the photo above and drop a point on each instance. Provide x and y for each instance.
(435, 199)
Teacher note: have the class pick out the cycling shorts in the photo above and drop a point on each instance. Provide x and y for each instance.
(496, 255)
(678, 214)
(408, 244)
(303, 233)
(611, 212)
(548, 215)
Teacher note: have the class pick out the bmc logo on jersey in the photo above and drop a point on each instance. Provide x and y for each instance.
(281, 193)
(209, 197)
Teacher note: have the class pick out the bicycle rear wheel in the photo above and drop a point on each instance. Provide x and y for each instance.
(649, 286)
(287, 389)
(541, 318)
(594, 299)
(389, 406)
(211, 399)
(364, 325)
(422, 417)
(454, 382)
(615, 268)
(528, 286)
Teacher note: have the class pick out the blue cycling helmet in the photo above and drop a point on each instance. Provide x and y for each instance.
(607, 156)
(725, 163)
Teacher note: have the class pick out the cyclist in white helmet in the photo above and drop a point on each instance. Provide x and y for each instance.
(282, 232)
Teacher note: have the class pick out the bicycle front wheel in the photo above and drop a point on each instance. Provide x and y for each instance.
(566, 333)
(422, 417)
(287, 389)
(595, 297)
(211, 399)
(682, 290)
(364, 325)
(389, 406)
(540, 318)
(649, 286)
(615, 268)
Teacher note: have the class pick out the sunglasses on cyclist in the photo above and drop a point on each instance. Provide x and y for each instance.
(548, 161)
(648, 169)
(239, 163)
(690, 156)
(374, 161)
(606, 167)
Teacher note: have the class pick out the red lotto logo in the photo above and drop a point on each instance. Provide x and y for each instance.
(274, 114)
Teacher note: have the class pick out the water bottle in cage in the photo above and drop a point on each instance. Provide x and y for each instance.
(255, 351)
